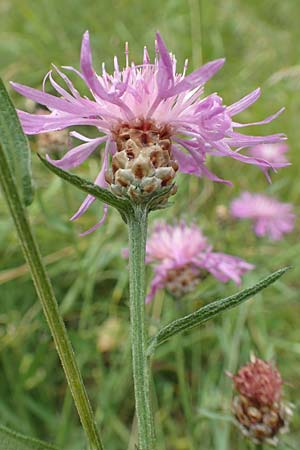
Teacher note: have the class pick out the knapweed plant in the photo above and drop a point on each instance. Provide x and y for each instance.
(151, 122)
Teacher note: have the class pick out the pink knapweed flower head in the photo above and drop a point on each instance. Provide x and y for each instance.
(181, 257)
(259, 381)
(270, 217)
(142, 105)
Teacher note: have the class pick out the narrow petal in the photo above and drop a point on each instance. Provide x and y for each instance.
(77, 155)
(198, 77)
(80, 136)
(244, 103)
(225, 150)
(213, 177)
(87, 68)
(241, 140)
(186, 163)
(100, 181)
(48, 100)
(226, 267)
(41, 123)
(93, 82)
(165, 77)
(98, 224)
(262, 122)
(61, 90)
(67, 81)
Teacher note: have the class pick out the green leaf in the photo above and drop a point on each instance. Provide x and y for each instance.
(123, 205)
(209, 311)
(15, 146)
(10, 440)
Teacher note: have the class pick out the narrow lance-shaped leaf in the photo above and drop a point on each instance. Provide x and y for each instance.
(10, 440)
(209, 311)
(87, 186)
(50, 307)
(15, 145)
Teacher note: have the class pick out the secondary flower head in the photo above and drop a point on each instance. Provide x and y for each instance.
(152, 120)
(258, 407)
(270, 217)
(182, 256)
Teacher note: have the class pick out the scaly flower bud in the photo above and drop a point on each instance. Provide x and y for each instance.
(258, 408)
(143, 162)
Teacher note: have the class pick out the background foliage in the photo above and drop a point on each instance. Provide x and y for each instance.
(259, 39)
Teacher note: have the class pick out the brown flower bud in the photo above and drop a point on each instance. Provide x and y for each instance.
(258, 408)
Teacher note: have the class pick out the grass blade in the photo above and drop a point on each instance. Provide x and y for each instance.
(10, 440)
(211, 310)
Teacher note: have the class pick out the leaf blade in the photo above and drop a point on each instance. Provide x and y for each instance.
(87, 186)
(15, 145)
(209, 311)
(10, 440)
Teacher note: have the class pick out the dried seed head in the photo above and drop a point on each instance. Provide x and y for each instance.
(260, 413)
(143, 162)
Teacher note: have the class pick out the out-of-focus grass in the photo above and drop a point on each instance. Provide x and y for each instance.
(260, 41)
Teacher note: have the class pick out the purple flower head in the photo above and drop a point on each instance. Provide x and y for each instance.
(182, 256)
(270, 217)
(144, 97)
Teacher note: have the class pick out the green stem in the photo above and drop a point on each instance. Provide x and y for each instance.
(137, 224)
(46, 295)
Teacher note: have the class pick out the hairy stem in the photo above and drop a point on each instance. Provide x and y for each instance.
(46, 295)
(137, 224)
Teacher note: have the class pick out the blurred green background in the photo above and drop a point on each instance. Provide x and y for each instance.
(260, 40)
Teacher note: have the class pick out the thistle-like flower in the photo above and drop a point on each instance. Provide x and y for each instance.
(152, 120)
(270, 217)
(258, 407)
(182, 257)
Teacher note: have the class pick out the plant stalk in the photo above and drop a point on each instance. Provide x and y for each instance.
(137, 224)
(46, 295)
